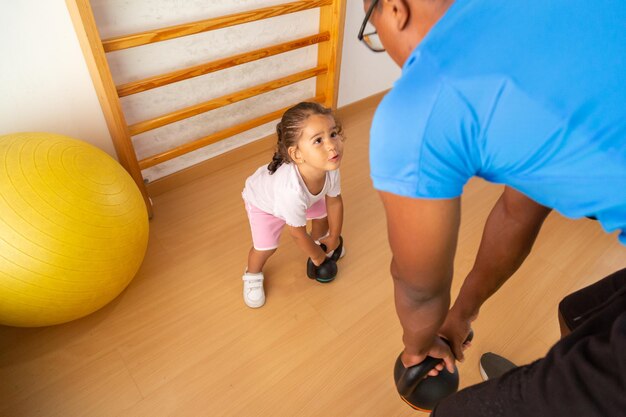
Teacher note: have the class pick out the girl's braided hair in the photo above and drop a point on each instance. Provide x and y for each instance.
(289, 130)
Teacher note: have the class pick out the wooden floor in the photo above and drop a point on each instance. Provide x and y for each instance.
(180, 342)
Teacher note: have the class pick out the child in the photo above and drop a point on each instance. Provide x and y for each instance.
(301, 183)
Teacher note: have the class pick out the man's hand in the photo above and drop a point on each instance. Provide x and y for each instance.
(440, 349)
(456, 328)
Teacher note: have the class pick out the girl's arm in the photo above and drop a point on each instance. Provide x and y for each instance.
(334, 209)
(307, 245)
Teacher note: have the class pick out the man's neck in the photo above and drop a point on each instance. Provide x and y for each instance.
(424, 15)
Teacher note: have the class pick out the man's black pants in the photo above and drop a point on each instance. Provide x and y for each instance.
(583, 375)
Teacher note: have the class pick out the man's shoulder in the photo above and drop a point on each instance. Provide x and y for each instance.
(424, 97)
(414, 135)
(406, 106)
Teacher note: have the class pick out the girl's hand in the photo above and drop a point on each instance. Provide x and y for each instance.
(331, 242)
(319, 257)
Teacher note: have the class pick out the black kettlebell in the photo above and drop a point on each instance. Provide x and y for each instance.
(326, 272)
(422, 393)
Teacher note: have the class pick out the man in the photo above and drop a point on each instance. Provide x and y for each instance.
(530, 94)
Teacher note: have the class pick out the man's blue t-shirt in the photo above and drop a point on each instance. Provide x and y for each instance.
(528, 93)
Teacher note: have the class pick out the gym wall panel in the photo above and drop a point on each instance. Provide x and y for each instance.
(115, 18)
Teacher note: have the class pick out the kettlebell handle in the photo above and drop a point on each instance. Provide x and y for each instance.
(417, 372)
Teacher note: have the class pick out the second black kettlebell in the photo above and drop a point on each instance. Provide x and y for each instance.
(424, 393)
(324, 273)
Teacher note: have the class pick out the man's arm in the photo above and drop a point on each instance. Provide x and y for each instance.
(423, 236)
(334, 209)
(508, 236)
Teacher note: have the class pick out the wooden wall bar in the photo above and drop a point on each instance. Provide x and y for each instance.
(191, 111)
(220, 64)
(216, 137)
(332, 19)
(172, 32)
(328, 39)
(91, 45)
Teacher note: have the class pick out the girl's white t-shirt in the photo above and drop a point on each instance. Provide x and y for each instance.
(284, 194)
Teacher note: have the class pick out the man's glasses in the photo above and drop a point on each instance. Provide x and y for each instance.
(371, 39)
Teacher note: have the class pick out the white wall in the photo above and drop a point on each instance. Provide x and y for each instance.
(44, 82)
(46, 86)
(363, 72)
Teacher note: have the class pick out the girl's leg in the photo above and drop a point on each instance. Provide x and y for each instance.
(319, 219)
(265, 230)
(253, 292)
(319, 228)
(257, 259)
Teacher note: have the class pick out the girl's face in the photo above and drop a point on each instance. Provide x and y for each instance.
(320, 146)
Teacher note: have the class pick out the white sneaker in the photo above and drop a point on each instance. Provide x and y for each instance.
(341, 255)
(342, 251)
(253, 293)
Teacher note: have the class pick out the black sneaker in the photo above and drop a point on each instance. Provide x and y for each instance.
(493, 366)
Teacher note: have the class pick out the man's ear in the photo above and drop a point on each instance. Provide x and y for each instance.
(294, 154)
(400, 12)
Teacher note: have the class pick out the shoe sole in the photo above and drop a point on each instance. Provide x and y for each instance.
(254, 305)
(483, 374)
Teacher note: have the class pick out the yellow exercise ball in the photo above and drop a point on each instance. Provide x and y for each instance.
(73, 229)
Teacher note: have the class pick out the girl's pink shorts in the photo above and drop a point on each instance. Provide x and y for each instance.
(266, 228)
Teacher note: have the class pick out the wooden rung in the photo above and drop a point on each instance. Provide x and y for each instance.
(216, 137)
(172, 32)
(191, 111)
(220, 64)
